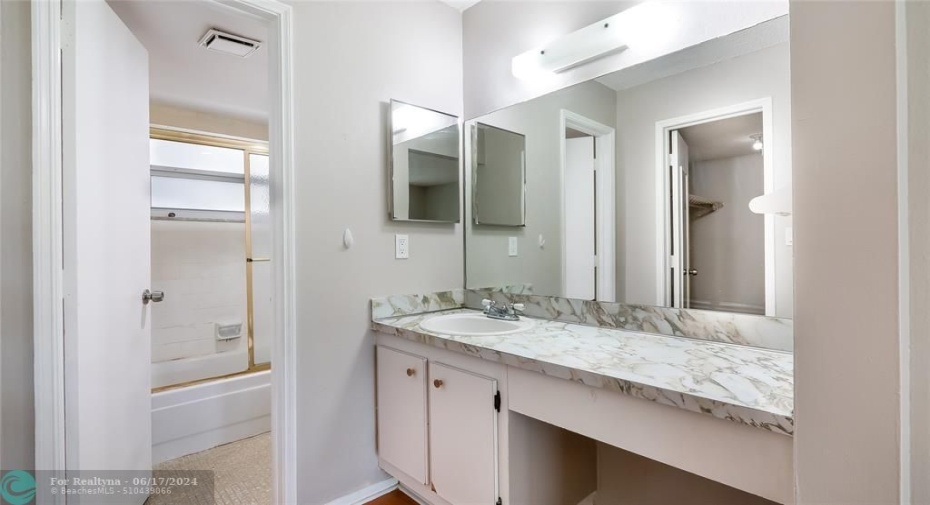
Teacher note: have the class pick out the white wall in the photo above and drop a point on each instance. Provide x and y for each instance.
(179, 117)
(845, 326)
(757, 75)
(351, 59)
(16, 397)
(728, 245)
(201, 268)
(539, 120)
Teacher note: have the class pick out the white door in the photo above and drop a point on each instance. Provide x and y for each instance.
(107, 252)
(680, 281)
(580, 263)
(463, 436)
(402, 412)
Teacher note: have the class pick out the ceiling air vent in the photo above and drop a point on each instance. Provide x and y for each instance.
(228, 43)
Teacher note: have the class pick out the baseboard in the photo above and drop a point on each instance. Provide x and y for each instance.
(367, 494)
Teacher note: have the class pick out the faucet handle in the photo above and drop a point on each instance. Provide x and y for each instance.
(487, 303)
(518, 307)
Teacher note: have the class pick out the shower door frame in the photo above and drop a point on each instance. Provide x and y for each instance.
(248, 148)
(48, 239)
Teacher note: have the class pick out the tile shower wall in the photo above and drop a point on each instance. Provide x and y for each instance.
(201, 268)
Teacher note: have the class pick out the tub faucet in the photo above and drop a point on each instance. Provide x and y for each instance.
(509, 312)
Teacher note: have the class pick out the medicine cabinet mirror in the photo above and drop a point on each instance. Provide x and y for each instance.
(498, 176)
(425, 165)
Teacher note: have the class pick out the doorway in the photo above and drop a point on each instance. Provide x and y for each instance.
(588, 209)
(718, 254)
(92, 195)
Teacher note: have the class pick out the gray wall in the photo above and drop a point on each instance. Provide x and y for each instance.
(757, 75)
(728, 245)
(488, 261)
(917, 207)
(352, 58)
(845, 326)
(16, 397)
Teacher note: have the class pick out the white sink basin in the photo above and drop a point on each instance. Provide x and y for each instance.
(476, 325)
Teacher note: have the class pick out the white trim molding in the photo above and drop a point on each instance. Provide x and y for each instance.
(47, 28)
(605, 174)
(663, 183)
(47, 241)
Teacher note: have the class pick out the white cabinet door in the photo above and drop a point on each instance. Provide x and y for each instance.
(402, 412)
(463, 436)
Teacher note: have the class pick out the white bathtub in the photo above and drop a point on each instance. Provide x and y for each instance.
(196, 418)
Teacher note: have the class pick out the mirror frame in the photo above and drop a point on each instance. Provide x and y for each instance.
(390, 134)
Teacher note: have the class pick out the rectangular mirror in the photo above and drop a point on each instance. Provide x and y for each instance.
(640, 183)
(498, 177)
(425, 165)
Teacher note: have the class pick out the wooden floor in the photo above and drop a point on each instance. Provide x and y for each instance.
(393, 498)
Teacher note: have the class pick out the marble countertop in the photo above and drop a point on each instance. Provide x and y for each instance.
(742, 384)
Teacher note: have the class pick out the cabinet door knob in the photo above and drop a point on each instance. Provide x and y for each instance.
(411, 372)
(437, 383)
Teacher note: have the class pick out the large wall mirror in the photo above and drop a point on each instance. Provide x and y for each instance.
(639, 183)
(425, 164)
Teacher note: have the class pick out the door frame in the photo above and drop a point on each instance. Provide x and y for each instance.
(663, 188)
(48, 242)
(606, 207)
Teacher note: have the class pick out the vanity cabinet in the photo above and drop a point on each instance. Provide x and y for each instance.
(463, 435)
(438, 426)
(402, 428)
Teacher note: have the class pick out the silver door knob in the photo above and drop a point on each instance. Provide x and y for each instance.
(692, 272)
(152, 296)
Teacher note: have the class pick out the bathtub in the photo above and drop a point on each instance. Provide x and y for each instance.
(199, 417)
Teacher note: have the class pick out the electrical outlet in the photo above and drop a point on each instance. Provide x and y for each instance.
(512, 246)
(401, 247)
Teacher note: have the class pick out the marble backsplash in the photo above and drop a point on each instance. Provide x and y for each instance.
(405, 305)
(744, 329)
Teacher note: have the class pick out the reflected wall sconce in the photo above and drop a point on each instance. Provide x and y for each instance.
(777, 202)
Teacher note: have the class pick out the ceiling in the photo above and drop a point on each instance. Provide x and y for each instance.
(182, 73)
(725, 138)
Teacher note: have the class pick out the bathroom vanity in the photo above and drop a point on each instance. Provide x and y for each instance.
(627, 213)
(450, 406)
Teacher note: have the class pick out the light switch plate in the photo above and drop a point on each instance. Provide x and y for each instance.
(401, 247)
(512, 246)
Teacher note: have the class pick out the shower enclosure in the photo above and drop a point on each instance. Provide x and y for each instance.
(211, 249)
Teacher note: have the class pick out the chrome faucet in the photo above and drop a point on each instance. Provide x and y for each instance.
(509, 312)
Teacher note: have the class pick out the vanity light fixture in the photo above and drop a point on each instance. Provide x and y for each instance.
(634, 27)
(757, 144)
